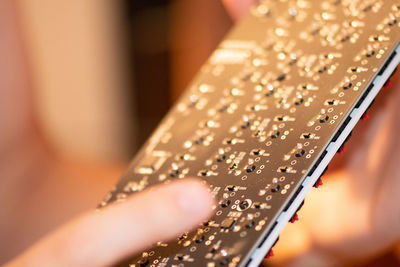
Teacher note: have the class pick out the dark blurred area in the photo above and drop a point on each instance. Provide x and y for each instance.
(147, 25)
(165, 53)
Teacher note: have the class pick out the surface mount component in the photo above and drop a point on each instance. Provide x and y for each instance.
(263, 118)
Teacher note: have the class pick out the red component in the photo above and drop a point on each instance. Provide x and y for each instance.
(318, 183)
(343, 149)
(365, 116)
(294, 218)
(270, 254)
(388, 84)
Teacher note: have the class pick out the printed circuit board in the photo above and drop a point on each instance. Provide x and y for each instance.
(262, 119)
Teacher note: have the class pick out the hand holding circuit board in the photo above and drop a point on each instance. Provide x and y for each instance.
(353, 215)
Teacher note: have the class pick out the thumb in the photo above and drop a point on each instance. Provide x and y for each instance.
(118, 231)
(237, 8)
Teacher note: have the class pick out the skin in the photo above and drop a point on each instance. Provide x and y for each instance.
(106, 237)
(352, 217)
(40, 188)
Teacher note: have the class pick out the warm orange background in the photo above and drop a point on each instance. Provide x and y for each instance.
(67, 67)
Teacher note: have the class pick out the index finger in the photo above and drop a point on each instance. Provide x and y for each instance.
(237, 8)
(107, 237)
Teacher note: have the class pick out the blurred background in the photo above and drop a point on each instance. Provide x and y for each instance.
(95, 78)
(109, 62)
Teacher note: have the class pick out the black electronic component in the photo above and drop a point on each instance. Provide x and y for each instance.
(231, 188)
(200, 239)
(225, 203)
(300, 153)
(244, 204)
(228, 223)
(143, 262)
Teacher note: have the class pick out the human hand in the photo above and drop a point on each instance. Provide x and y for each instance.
(105, 237)
(355, 215)
(40, 187)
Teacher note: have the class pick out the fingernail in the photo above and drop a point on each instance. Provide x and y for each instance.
(195, 199)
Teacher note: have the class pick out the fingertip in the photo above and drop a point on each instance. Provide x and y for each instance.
(118, 231)
(195, 199)
(171, 209)
(237, 8)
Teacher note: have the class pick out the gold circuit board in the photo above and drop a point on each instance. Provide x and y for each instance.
(262, 119)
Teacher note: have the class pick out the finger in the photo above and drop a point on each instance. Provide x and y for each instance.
(106, 237)
(15, 102)
(237, 8)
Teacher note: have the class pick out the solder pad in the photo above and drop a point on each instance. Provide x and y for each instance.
(262, 119)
